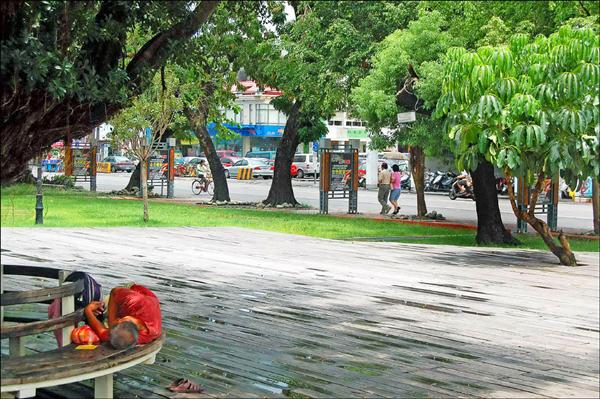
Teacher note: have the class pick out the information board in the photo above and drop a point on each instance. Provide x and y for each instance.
(81, 161)
(339, 177)
(341, 168)
(155, 167)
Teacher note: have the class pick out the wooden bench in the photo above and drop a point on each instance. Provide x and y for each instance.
(23, 374)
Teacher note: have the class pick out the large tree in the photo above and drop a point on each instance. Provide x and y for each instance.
(63, 66)
(315, 60)
(403, 78)
(531, 108)
(206, 70)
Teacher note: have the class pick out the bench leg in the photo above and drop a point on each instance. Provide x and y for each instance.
(103, 387)
(26, 393)
(151, 360)
(16, 346)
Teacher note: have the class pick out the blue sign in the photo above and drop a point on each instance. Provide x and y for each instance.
(149, 135)
(315, 146)
(250, 130)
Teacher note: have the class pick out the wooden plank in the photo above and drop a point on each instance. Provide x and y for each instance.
(44, 294)
(33, 271)
(20, 330)
(68, 362)
(317, 313)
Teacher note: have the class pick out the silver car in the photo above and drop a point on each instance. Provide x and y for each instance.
(260, 168)
(304, 163)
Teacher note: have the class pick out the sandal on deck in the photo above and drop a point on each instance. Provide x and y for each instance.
(183, 385)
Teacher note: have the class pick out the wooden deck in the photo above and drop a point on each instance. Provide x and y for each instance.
(258, 314)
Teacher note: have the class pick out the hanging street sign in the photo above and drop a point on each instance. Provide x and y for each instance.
(406, 117)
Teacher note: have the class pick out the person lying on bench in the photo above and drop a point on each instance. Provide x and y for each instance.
(133, 317)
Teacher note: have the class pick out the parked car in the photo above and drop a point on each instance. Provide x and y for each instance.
(293, 168)
(229, 161)
(193, 161)
(304, 163)
(228, 154)
(260, 168)
(120, 163)
(261, 154)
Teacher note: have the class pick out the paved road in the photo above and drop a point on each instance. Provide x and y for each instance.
(257, 314)
(572, 216)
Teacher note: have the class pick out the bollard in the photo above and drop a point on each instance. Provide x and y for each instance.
(39, 204)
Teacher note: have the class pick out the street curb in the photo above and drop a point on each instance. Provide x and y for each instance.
(451, 225)
(460, 226)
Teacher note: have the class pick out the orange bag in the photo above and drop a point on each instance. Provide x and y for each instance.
(84, 335)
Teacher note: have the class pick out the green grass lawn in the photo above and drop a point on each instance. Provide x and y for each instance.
(84, 209)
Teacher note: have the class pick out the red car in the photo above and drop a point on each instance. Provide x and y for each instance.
(293, 169)
(229, 161)
(227, 153)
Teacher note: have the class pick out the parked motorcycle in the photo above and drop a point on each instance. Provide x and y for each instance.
(501, 186)
(405, 181)
(441, 181)
(455, 192)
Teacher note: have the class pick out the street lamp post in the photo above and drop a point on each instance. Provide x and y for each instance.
(39, 204)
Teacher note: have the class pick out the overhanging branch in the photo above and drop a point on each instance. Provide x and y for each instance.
(156, 50)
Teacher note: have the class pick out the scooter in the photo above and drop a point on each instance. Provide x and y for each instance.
(455, 191)
(405, 181)
(501, 186)
(442, 181)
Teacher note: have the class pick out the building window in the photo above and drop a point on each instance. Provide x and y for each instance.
(282, 118)
(330, 122)
(348, 123)
(337, 123)
(357, 123)
(250, 120)
(262, 115)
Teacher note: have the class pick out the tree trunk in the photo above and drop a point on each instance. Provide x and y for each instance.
(596, 204)
(134, 180)
(563, 251)
(281, 191)
(144, 180)
(417, 165)
(490, 228)
(216, 167)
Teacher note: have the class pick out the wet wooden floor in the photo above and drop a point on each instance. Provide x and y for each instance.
(258, 314)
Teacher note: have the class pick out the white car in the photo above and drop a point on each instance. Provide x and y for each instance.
(304, 163)
(260, 168)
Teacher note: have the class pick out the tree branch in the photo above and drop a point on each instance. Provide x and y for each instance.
(511, 193)
(536, 193)
(584, 9)
(156, 50)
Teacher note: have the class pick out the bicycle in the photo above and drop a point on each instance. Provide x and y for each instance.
(200, 186)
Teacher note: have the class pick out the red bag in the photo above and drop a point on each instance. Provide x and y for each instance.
(84, 335)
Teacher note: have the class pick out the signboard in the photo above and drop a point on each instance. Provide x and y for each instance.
(339, 177)
(81, 161)
(406, 117)
(155, 167)
(357, 133)
(315, 146)
(341, 168)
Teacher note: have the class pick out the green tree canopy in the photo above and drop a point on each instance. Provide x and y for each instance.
(530, 107)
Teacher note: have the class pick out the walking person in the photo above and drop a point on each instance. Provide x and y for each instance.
(383, 182)
(396, 185)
